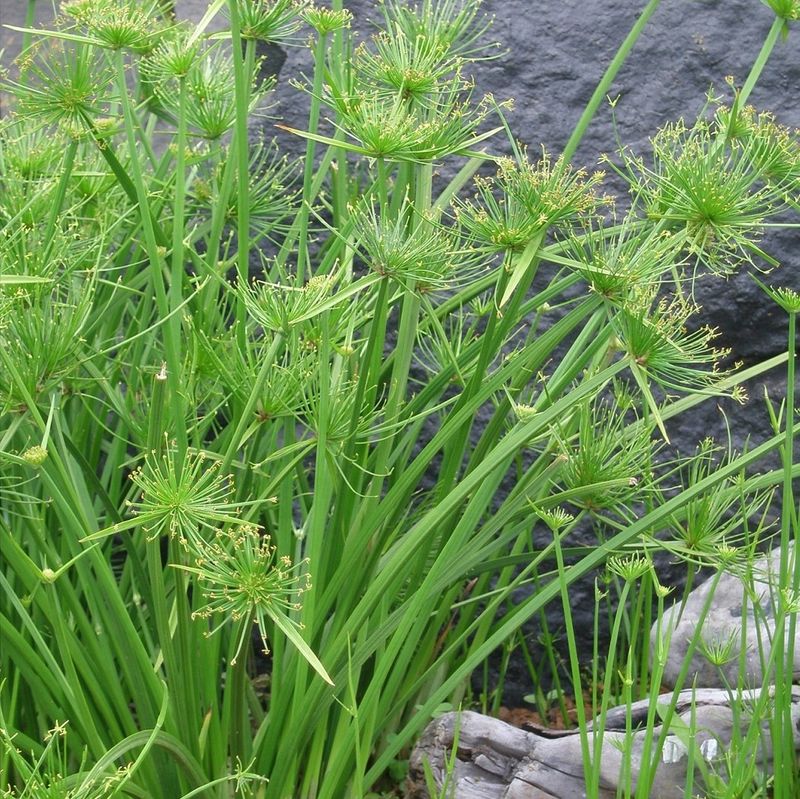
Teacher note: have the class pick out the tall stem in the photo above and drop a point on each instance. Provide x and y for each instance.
(30, 19)
(61, 191)
(308, 169)
(406, 336)
(608, 78)
(761, 59)
(247, 411)
(154, 254)
(783, 733)
(176, 273)
(242, 67)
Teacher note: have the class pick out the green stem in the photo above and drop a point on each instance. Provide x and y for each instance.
(219, 214)
(235, 717)
(577, 687)
(177, 271)
(243, 69)
(242, 91)
(761, 60)
(247, 411)
(316, 550)
(514, 619)
(783, 734)
(30, 19)
(608, 78)
(308, 168)
(171, 342)
(610, 668)
(406, 338)
(58, 200)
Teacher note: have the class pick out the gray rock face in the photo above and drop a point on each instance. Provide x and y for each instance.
(741, 615)
(493, 760)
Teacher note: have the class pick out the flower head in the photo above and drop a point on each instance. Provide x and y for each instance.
(630, 568)
(523, 198)
(410, 250)
(618, 262)
(240, 578)
(709, 523)
(496, 220)
(174, 57)
(655, 334)
(120, 24)
(385, 126)
(715, 188)
(456, 27)
(243, 580)
(210, 103)
(784, 296)
(273, 21)
(64, 88)
(42, 338)
(785, 9)
(182, 499)
(411, 68)
(552, 193)
(326, 20)
(278, 307)
(606, 464)
(35, 456)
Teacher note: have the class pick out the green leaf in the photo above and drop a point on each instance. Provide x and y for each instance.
(293, 634)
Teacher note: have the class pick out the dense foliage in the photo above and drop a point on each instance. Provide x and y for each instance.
(348, 403)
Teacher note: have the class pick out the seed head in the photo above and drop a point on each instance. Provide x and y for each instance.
(631, 568)
(135, 25)
(274, 21)
(182, 500)
(326, 20)
(243, 580)
(35, 455)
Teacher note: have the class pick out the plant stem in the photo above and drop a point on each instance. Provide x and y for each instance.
(171, 342)
(308, 168)
(514, 619)
(30, 20)
(761, 60)
(243, 69)
(789, 585)
(58, 200)
(608, 78)
(577, 685)
(177, 271)
(245, 419)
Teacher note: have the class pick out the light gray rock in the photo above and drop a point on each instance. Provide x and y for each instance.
(497, 761)
(725, 621)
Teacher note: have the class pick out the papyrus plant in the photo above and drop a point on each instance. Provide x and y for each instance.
(355, 401)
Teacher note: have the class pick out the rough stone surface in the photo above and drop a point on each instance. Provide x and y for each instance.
(724, 622)
(494, 760)
(555, 53)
